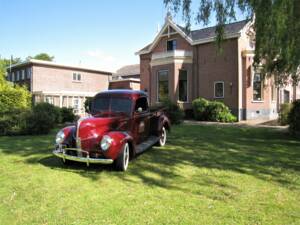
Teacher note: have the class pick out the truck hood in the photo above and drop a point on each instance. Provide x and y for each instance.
(89, 131)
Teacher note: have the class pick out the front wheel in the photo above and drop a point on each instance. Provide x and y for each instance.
(163, 137)
(122, 161)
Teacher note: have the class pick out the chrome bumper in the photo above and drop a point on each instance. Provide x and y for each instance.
(61, 153)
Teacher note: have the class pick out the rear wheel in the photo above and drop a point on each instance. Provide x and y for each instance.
(163, 137)
(121, 163)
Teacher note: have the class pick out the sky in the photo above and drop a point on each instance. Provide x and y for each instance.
(101, 34)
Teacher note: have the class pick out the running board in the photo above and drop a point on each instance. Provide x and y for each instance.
(146, 144)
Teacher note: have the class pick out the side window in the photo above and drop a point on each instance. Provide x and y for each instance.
(141, 105)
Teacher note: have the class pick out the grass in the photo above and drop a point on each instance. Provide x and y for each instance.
(205, 175)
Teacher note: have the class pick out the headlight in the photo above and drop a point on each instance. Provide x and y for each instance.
(106, 142)
(60, 137)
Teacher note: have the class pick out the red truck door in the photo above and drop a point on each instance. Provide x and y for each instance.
(141, 122)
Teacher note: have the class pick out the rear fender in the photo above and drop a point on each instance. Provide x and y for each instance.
(164, 122)
(119, 139)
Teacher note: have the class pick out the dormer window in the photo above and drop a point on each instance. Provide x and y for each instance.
(171, 45)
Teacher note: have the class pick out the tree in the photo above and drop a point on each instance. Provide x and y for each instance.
(42, 56)
(276, 25)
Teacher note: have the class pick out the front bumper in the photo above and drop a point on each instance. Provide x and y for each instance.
(62, 153)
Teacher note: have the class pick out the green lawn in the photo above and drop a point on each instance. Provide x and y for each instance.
(205, 175)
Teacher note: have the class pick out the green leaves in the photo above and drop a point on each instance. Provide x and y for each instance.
(276, 24)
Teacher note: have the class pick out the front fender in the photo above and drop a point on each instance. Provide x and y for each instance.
(119, 139)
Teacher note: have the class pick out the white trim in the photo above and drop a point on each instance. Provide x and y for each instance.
(217, 82)
(157, 84)
(126, 79)
(262, 86)
(70, 93)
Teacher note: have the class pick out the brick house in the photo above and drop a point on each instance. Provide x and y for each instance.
(61, 85)
(183, 66)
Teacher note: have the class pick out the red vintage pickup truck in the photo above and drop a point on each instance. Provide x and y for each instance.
(121, 125)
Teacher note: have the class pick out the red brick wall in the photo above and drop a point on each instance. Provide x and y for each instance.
(218, 67)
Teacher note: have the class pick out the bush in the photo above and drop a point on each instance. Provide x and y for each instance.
(200, 109)
(13, 122)
(173, 111)
(294, 118)
(284, 113)
(205, 110)
(42, 119)
(67, 115)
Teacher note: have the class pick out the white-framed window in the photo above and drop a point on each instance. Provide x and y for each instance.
(77, 77)
(13, 76)
(76, 105)
(257, 87)
(219, 89)
(22, 74)
(162, 85)
(183, 86)
(49, 99)
(171, 45)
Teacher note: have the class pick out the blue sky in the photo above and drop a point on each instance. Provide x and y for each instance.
(94, 33)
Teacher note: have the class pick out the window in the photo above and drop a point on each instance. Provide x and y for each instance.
(286, 96)
(183, 85)
(171, 45)
(23, 74)
(106, 104)
(18, 76)
(141, 103)
(163, 85)
(219, 89)
(76, 77)
(257, 87)
(76, 105)
(12, 76)
(49, 99)
(28, 73)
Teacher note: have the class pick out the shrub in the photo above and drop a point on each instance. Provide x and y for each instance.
(173, 111)
(200, 108)
(67, 115)
(14, 98)
(294, 118)
(212, 111)
(284, 113)
(13, 122)
(42, 119)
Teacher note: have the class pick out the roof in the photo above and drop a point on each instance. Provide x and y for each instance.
(209, 32)
(199, 36)
(128, 70)
(123, 92)
(58, 65)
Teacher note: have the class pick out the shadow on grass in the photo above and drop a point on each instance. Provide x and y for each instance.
(263, 153)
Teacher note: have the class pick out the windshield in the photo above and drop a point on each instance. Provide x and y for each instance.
(111, 104)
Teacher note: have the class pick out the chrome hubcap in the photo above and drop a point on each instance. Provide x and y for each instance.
(126, 156)
(163, 136)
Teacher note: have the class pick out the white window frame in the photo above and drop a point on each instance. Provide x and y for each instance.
(28, 75)
(262, 87)
(12, 76)
(49, 99)
(187, 86)
(18, 75)
(157, 84)
(218, 82)
(76, 77)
